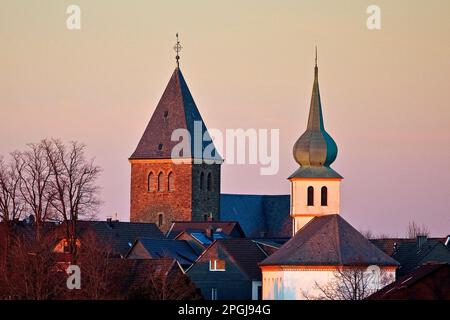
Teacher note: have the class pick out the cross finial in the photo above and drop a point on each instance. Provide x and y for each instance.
(177, 49)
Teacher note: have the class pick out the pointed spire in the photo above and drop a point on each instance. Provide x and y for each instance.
(315, 148)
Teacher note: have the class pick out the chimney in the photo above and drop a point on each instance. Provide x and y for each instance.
(421, 239)
(209, 232)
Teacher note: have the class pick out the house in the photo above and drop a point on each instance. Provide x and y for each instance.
(228, 270)
(413, 253)
(180, 250)
(324, 246)
(430, 281)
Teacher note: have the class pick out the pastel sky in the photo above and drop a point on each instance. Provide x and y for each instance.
(249, 64)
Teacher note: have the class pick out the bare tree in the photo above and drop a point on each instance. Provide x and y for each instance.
(34, 171)
(11, 205)
(415, 230)
(352, 283)
(75, 192)
(32, 271)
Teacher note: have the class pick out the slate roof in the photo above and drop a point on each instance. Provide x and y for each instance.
(121, 235)
(400, 288)
(166, 248)
(257, 214)
(411, 256)
(390, 245)
(228, 228)
(175, 110)
(329, 240)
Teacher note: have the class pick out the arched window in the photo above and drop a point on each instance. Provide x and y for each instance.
(209, 182)
(170, 182)
(202, 177)
(160, 219)
(160, 181)
(150, 182)
(310, 196)
(324, 196)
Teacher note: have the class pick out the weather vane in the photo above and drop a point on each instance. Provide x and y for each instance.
(177, 49)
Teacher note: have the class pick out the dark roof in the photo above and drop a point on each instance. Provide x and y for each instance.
(140, 270)
(165, 248)
(121, 235)
(315, 172)
(329, 240)
(246, 253)
(257, 214)
(410, 255)
(402, 286)
(175, 110)
(228, 228)
(390, 245)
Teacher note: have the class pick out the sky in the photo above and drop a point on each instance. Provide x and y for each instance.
(249, 64)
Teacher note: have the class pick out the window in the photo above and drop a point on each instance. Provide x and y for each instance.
(216, 265)
(202, 177)
(209, 182)
(160, 181)
(166, 113)
(160, 146)
(310, 196)
(170, 182)
(150, 182)
(214, 294)
(324, 196)
(160, 219)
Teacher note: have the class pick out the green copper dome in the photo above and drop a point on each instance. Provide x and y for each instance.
(315, 147)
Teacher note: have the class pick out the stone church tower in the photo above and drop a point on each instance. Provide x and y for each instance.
(315, 186)
(166, 188)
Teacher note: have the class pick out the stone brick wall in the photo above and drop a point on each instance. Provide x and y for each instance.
(174, 205)
(205, 202)
(187, 202)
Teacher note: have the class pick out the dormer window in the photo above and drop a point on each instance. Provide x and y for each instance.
(216, 265)
(166, 113)
(160, 147)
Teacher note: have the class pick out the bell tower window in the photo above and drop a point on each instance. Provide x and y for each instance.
(150, 182)
(310, 196)
(324, 196)
(160, 181)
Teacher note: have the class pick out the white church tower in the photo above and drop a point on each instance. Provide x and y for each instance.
(315, 187)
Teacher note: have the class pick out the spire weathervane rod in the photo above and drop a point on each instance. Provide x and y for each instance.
(177, 49)
(316, 57)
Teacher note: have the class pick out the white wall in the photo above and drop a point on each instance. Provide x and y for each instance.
(300, 210)
(301, 284)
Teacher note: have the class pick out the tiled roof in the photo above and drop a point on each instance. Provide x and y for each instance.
(165, 248)
(229, 228)
(329, 240)
(175, 110)
(257, 214)
(121, 235)
(246, 253)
